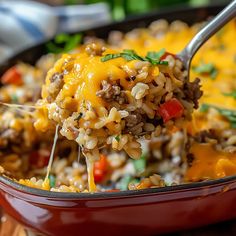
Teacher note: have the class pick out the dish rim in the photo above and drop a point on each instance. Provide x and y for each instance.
(118, 194)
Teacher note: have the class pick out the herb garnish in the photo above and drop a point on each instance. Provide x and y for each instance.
(231, 94)
(153, 57)
(63, 43)
(117, 138)
(227, 113)
(206, 68)
(52, 181)
(140, 164)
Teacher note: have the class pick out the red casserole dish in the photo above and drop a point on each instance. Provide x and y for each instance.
(142, 212)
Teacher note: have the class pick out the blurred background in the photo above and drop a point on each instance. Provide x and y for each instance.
(28, 22)
(122, 8)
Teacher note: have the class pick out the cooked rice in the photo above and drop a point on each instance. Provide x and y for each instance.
(171, 152)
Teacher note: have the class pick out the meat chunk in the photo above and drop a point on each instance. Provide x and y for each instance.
(192, 91)
(111, 93)
(57, 83)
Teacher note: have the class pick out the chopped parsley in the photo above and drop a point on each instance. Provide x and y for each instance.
(206, 68)
(63, 43)
(153, 57)
(14, 98)
(124, 182)
(140, 164)
(52, 181)
(227, 113)
(235, 58)
(117, 138)
(231, 94)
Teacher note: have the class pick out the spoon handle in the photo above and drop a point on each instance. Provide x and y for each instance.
(206, 32)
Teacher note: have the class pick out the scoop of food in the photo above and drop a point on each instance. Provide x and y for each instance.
(103, 97)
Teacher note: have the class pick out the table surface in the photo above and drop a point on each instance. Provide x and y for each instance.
(9, 226)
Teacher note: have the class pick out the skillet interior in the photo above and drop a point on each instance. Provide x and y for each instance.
(187, 14)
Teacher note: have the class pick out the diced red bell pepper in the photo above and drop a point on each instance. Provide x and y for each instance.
(171, 109)
(100, 169)
(167, 54)
(12, 76)
(38, 160)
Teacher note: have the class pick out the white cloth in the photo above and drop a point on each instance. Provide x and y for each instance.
(25, 23)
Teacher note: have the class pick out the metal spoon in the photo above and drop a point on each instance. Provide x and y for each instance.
(187, 54)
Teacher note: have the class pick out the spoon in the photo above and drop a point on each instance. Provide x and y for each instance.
(187, 54)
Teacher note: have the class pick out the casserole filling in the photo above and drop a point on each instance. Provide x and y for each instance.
(112, 101)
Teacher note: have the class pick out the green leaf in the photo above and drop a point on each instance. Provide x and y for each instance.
(63, 43)
(156, 55)
(206, 68)
(231, 94)
(124, 182)
(165, 63)
(117, 138)
(140, 164)
(52, 181)
(227, 113)
(61, 38)
(129, 55)
(73, 42)
(204, 107)
(110, 56)
(14, 98)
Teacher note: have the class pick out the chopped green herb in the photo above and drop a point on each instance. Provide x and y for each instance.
(129, 55)
(231, 94)
(117, 138)
(227, 113)
(134, 181)
(63, 43)
(52, 181)
(124, 182)
(79, 116)
(156, 55)
(140, 164)
(234, 58)
(206, 68)
(14, 98)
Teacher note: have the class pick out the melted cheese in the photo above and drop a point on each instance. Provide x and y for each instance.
(49, 167)
(209, 163)
(90, 168)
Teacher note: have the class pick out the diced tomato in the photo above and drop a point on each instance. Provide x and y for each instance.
(167, 54)
(12, 76)
(100, 169)
(171, 109)
(38, 160)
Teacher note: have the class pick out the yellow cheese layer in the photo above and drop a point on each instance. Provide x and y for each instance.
(209, 163)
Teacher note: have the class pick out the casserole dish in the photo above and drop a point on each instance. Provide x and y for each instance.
(144, 212)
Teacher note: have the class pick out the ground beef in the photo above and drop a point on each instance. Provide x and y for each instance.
(55, 86)
(190, 159)
(134, 122)
(133, 119)
(192, 91)
(204, 135)
(111, 93)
